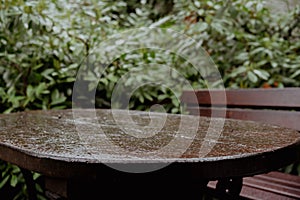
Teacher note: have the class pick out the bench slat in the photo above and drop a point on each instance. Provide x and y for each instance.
(283, 177)
(282, 118)
(274, 185)
(274, 106)
(273, 97)
(252, 193)
(285, 184)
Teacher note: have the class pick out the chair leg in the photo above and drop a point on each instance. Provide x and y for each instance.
(230, 186)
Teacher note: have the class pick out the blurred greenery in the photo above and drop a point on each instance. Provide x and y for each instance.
(43, 43)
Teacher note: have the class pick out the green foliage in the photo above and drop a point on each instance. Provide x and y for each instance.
(42, 44)
(139, 68)
(250, 45)
(11, 177)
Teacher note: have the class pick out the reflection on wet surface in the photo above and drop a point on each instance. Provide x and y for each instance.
(54, 134)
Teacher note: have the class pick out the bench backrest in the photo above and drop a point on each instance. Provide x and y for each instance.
(274, 106)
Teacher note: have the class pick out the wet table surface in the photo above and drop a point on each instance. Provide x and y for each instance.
(50, 141)
(79, 151)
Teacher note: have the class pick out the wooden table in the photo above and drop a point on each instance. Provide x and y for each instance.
(80, 154)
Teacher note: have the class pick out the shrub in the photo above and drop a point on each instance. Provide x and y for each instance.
(42, 44)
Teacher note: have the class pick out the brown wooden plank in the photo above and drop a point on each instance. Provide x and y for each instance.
(255, 193)
(272, 187)
(273, 97)
(286, 119)
(285, 179)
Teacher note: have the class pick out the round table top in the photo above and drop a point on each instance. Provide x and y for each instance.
(52, 141)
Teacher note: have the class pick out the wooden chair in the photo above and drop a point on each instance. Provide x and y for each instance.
(274, 106)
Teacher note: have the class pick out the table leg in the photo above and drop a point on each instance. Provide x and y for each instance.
(56, 188)
(30, 184)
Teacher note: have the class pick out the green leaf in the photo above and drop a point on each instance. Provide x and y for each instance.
(175, 102)
(47, 73)
(13, 180)
(141, 98)
(29, 91)
(161, 21)
(242, 56)
(274, 64)
(174, 110)
(59, 107)
(16, 169)
(262, 63)
(56, 64)
(262, 73)
(259, 6)
(252, 77)
(104, 81)
(202, 26)
(112, 77)
(9, 110)
(147, 96)
(58, 100)
(38, 188)
(162, 96)
(40, 89)
(238, 71)
(295, 74)
(2, 92)
(55, 95)
(257, 50)
(40, 197)
(4, 181)
(6, 171)
(288, 168)
(38, 66)
(36, 176)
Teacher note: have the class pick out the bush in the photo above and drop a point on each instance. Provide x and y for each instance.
(251, 46)
(42, 44)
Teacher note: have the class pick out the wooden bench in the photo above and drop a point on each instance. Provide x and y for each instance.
(273, 106)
